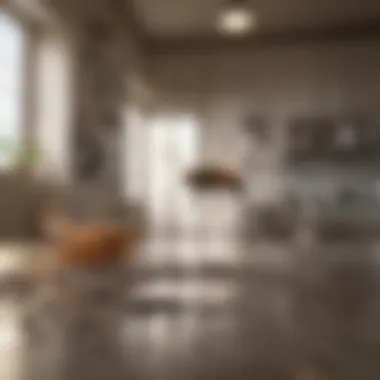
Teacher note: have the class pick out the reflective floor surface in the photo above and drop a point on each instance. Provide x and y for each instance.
(272, 312)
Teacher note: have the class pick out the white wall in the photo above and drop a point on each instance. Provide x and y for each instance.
(224, 88)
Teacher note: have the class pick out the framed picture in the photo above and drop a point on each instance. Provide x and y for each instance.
(258, 127)
(90, 155)
(111, 119)
(349, 139)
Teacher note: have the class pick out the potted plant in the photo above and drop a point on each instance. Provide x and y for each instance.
(22, 160)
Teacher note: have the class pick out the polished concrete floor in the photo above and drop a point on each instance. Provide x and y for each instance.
(268, 311)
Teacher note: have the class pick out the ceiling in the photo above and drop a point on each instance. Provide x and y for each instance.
(195, 19)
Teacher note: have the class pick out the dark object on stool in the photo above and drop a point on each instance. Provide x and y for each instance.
(215, 178)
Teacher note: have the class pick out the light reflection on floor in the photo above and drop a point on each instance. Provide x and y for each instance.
(191, 291)
(228, 251)
(261, 327)
(10, 341)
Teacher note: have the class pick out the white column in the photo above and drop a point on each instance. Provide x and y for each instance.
(133, 153)
(54, 103)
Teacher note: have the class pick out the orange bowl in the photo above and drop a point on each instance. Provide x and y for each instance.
(97, 246)
(209, 177)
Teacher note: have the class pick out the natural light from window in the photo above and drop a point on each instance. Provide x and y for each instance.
(173, 149)
(12, 40)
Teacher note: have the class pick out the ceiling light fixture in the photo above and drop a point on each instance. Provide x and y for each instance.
(236, 18)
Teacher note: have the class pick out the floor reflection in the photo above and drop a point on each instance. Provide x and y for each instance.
(10, 341)
(320, 321)
(192, 251)
(188, 292)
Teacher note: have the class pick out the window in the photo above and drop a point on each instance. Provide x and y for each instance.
(188, 227)
(173, 149)
(12, 49)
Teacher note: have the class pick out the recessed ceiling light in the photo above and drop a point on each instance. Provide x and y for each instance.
(236, 18)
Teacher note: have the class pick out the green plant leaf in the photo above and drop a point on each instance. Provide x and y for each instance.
(28, 156)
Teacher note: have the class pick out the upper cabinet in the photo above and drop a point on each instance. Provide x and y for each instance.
(353, 139)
